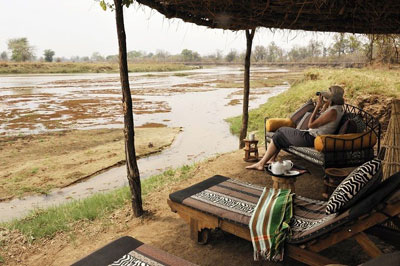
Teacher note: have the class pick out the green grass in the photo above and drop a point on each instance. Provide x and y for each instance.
(356, 82)
(46, 223)
(1, 259)
(70, 67)
(256, 83)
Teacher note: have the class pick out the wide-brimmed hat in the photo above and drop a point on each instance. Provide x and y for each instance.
(335, 94)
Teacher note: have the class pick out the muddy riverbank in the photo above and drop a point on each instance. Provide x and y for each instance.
(190, 100)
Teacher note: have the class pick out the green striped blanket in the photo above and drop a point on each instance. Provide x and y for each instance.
(269, 224)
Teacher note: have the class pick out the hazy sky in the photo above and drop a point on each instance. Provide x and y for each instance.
(81, 27)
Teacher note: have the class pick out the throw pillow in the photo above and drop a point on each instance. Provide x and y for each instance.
(354, 186)
(303, 124)
(299, 113)
(348, 127)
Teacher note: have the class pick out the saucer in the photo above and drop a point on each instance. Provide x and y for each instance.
(290, 173)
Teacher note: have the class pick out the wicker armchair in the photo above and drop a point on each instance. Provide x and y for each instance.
(340, 150)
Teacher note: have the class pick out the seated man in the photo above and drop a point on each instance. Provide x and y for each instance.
(332, 111)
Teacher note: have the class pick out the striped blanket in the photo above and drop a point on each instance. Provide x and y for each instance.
(269, 224)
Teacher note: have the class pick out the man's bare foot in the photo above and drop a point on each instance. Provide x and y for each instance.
(256, 166)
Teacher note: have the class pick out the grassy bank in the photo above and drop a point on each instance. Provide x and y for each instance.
(357, 83)
(70, 67)
(46, 223)
(38, 163)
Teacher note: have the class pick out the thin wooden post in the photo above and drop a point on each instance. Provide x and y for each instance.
(130, 153)
(246, 89)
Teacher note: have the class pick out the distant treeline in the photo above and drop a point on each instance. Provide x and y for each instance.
(344, 48)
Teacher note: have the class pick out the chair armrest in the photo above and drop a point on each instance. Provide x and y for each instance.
(272, 124)
(345, 142)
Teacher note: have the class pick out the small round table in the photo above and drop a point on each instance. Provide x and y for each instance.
(284, 183)
(250, 150)
(333, 177)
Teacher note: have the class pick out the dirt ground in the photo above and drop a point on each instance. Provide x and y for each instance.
(37, 163)
(165, 230)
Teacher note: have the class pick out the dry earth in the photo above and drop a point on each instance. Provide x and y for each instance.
(37, 163)
(165, 230)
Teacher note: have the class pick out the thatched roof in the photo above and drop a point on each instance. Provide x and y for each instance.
(355, 16)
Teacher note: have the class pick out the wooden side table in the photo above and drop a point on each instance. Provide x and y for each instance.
(250, 150)
(333, 177)
(284, 183)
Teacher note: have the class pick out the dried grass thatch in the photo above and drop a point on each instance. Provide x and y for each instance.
(355, 16)
(391, 143)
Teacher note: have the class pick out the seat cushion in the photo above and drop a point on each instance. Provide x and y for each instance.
(354, 186)
(308, 153)
(272, 124)
(310, 220)
(223, 197)
(348, 127)
(303, 124)
(346, 142)
(299, 113)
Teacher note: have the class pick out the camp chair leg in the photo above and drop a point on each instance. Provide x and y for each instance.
(201, 237)
(194, 233)
(369, 247)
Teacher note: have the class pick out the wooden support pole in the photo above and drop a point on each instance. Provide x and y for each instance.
(369, 247)
(129, 133)
(246, 89)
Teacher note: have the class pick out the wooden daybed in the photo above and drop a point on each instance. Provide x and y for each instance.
(227, 204)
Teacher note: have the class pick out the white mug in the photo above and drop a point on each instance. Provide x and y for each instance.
(288, 165)
(277, 168)
(251, 136)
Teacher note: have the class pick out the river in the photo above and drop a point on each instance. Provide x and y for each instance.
(192, 100)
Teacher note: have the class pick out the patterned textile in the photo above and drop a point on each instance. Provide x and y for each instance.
(344, 158)
(227, 198)
(308, 153)
(269, 224)
(354, 186)
(310, 220)
(134, 258)
(130, 251)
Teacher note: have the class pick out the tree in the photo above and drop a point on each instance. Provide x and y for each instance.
(48, 55)
(20, 49)
(218, 55)
(161, 55)
(132, 169)
(231, 56)
(246, 88)
(97, 57)
(354, 44)
(274, 52)
(4, 56)
(134, 54)
(189, 55)
(314, 48)
(260, 53)
(340, 44)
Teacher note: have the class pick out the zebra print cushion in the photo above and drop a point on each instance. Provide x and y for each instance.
(354, 186)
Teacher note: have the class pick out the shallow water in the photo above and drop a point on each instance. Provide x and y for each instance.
(191, 102)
